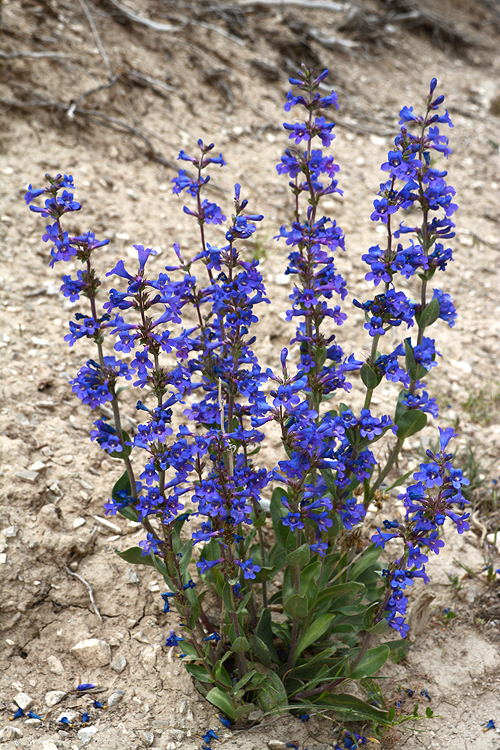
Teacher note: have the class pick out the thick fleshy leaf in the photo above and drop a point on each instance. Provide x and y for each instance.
(372, 661)
(271, 695)
(313, 633)
(358, 709)
(222, 701)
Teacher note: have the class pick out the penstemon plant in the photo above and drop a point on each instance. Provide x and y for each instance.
(280, 618)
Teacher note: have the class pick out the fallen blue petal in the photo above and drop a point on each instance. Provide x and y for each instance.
(18, 714)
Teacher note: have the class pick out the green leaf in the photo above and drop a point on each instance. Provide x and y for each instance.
(369, 377)
(134, 555)
(299, 556)
(237, 687)
(369, 558)
(372, 661)
(265, 632)
(260, 650)
(244, 710)
(332, 593)
(410, 422)
(429, 314)
(398, 649)
(400, 407)
(313, 633)
(278, 512)
(198, 672)
(296, 606)
(399, 481)
(185, 555)
(330, 481)
(240, 644)
(123, 484)
(222, 701)
(358, 709)
(272, 694)
(411, 365)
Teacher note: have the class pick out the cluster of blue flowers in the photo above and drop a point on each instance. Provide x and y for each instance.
(436, 496)
(218, 382)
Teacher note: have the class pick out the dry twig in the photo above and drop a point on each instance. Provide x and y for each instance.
(97, 38)
(89, 587)
(145, 21)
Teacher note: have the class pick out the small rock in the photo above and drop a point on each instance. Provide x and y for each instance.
(38, 466)
(255, 715)
(24, 701)
(69, 715)
(86, 734)
(49, 745)
(92, 652)
(34, 722)
(10, 531)
(55, 665)
(119, 663)
(139, 636)
(276, 745)
(53, 697)
(78, 522)
(131, 623)
(149, 655)
(10, 733)
(115, 698)
(29, 476)
(108, 524)
(148, 737)
(131, 576)
(282, 279)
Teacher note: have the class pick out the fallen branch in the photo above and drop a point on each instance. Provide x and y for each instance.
(71, 111)
(135, 76)
(282, 4)
(162, 27)
(95, 116)
(53, 55)
(89, 587)
(97, 38)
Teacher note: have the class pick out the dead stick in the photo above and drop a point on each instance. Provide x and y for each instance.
(97, 38)
(89, 587)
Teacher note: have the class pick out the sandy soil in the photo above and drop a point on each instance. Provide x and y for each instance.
(223, 77)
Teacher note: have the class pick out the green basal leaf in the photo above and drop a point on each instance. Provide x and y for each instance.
(260, 650)
(332, 593)
(313, 633)
(243, 711)
(221, 674)
(296, 606)
(129, 512)
(198, 672)
(237, 687)
(240, 644)
(356, 709)
(271, 695)
(299, 556)
(410, 422)
(222, 701)
(264, 631)
(398, 649)
(369, 558)
(372, 661)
